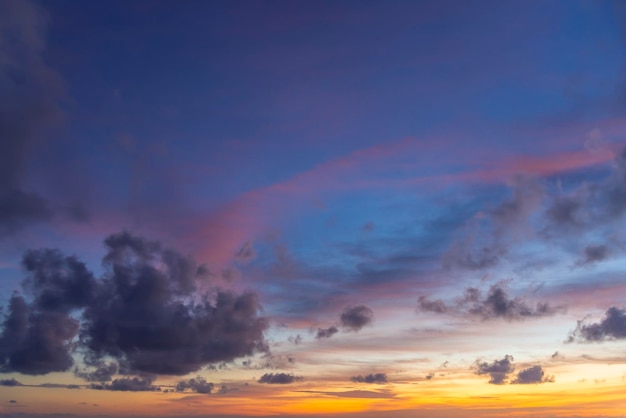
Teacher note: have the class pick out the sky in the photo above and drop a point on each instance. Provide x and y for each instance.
(312, 209)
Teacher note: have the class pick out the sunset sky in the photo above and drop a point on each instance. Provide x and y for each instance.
(312, 208)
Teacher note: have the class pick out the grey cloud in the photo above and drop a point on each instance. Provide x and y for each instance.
(355, 318)
(169, 334)
(593, 203)
(35, 342)
(197, 384)
(57, 283)
(37, 337)
(464, 255)
(568, 211)
(323, 333)
(279, 378)
(129, 384)
(10, 382)
(144, 314)
(377, 378)
(102, 371)
(498, 370)
(532, 375)
(611, 327)
(496, 304)
(593, 254)
(427, 305)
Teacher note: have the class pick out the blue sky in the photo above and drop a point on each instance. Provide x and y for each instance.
(273, 207)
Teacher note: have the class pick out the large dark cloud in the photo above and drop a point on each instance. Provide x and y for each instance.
(496, 304)
(37, 336)
(356, 317)
(31, 94)
(197, 384)
(532, 375)
(56, 282)
(36, 342)
(498, 370)
(145, 315)
(378, 378)
(279, 378)
(611, 327)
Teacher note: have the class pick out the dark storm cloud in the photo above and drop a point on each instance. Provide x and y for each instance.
(167, 332)
(378, 378)
(279, 378)
(611, 327)
(35, 342)
(356, 317)
(498, 370)
(57, 283)
(323, 333)
(532, 375)
(31, 93)
(197, 384)
(129, 384)
(496, 304)
(9, 382)
(37, 337)
(144, 314)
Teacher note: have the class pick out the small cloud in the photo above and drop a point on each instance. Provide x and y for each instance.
(498, 370)
(323, 333)
(279, 378)
(295, 340)
(593, 254)
(355, 318)
(129, 384)
(12, 401)
(427, 305)
(197, 384)
(10, 382)
(378, 378)
(532, 375)
(612, 327)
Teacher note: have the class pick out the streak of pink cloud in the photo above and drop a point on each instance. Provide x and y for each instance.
(252, 214)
